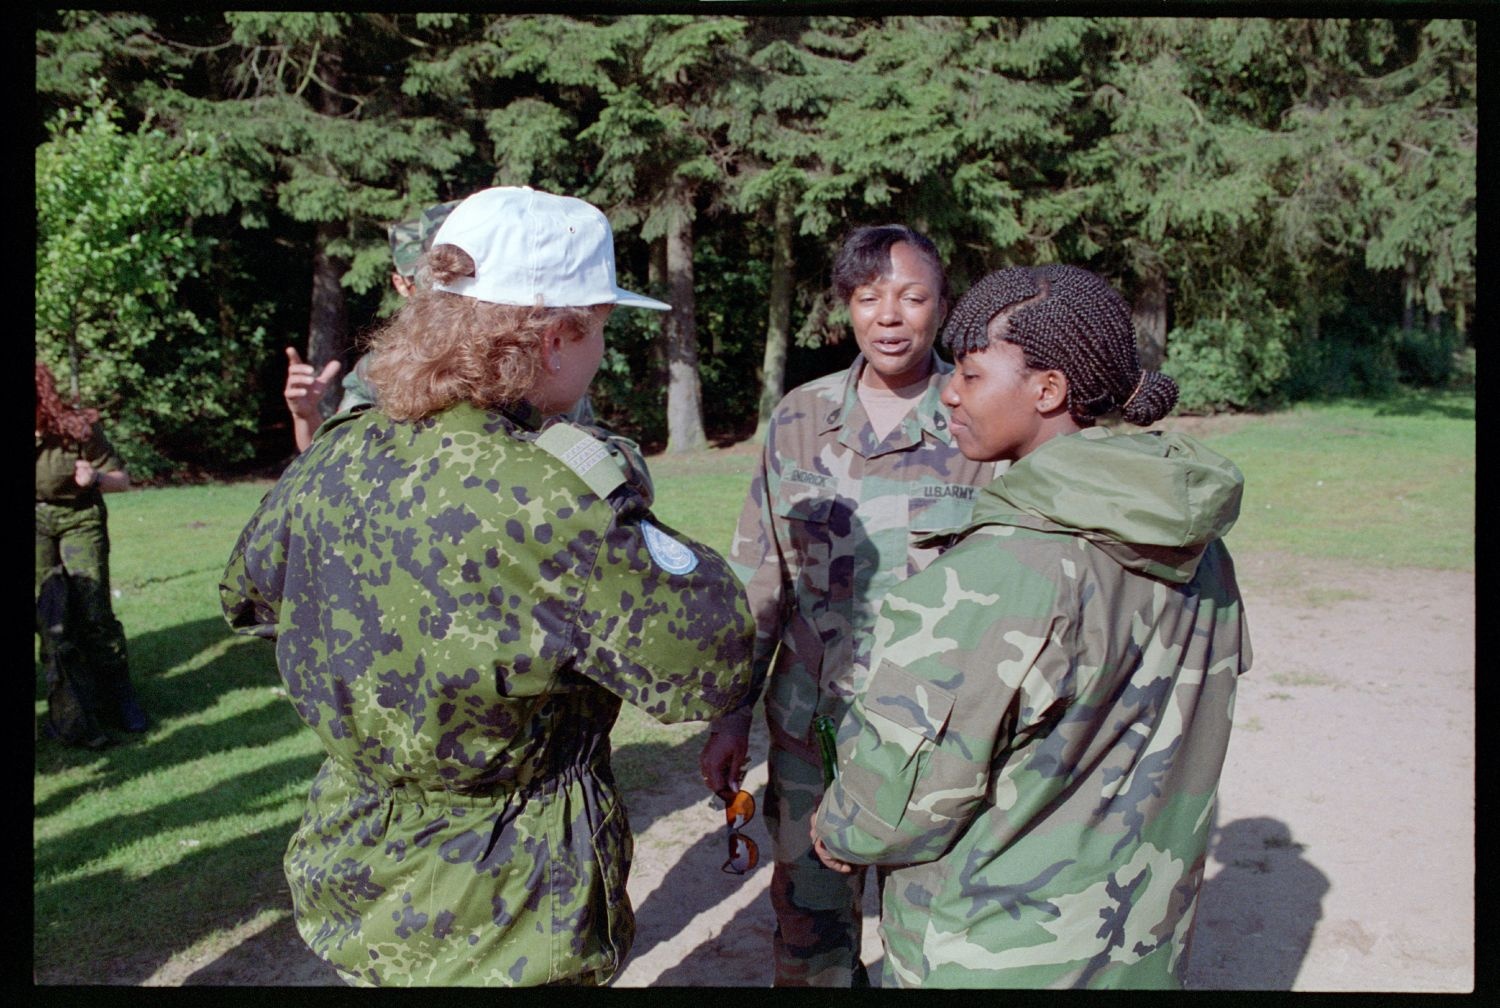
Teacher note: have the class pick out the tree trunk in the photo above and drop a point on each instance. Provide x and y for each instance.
(1409, 298)
(779, 319)
(1312, 321)
(73, 362)
(1149, 313)
(328, 321)
(684, 389)
(656, 279)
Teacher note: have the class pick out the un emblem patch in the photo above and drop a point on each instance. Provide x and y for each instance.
(669, 554)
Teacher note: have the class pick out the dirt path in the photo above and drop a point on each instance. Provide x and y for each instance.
(1343, 855)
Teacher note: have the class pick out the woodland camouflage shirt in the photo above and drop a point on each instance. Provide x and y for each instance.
(55, 458)
(831, 525)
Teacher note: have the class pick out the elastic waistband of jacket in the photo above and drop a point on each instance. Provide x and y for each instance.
(485, 795)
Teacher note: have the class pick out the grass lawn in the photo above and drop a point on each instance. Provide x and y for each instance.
(1388, 484)
(145, 849)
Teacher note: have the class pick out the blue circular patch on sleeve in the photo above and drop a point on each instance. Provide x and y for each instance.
(669, 554)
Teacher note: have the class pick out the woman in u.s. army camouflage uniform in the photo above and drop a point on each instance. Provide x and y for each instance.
(462, 590)
(1038, 746)
(858, 467)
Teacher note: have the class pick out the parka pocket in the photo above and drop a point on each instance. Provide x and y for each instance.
(919, 708)
(910, 718)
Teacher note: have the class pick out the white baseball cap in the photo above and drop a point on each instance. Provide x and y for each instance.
(531, 247)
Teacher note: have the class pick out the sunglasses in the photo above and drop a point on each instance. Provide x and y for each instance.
(743, 854)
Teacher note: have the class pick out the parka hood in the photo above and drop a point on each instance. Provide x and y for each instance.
(1152, 501)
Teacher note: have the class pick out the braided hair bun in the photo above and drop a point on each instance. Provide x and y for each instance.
(1070, 320)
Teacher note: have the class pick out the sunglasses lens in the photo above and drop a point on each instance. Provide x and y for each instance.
(743, 854)
(741, 809)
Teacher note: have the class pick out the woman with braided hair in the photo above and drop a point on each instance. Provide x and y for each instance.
(1037, 751)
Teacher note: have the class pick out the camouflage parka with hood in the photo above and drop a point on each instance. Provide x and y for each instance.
(459, 606)
(1038, 748)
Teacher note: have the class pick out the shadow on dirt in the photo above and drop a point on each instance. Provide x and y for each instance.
(1256, 917)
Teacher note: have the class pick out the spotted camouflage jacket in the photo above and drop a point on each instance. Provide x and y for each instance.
(459, 607)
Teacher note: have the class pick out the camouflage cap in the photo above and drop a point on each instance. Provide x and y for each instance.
(411, 237)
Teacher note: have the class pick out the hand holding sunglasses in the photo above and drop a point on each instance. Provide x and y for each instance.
(743, 854)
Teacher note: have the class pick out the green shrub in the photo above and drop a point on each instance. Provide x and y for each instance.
(1340, 363)
(1223, 364)
(1426, 359)
(127, 291)
(1355, 356)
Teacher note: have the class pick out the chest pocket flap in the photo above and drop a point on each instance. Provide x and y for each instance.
(804, 503)
(946, 510)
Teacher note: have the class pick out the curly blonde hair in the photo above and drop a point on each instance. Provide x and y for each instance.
(442, 349)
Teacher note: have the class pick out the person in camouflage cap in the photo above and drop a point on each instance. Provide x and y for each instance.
(855, 466)
(410, 239)
(1038, 748)
(305, 384)
(462, 588)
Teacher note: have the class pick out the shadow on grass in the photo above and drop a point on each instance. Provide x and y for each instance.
(167, 910)
(133, 925)
(1419, 403)
(247, 664)
(244, 795)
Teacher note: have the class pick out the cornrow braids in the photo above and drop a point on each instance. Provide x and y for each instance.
(1070, 320)
(968, 325)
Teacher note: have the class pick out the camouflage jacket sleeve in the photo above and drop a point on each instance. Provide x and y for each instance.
(248, 608)
(963, 671)
(666, 618)
(755, 557)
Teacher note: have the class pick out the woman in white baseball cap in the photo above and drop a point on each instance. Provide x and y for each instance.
(463, 588)
(535, 265)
